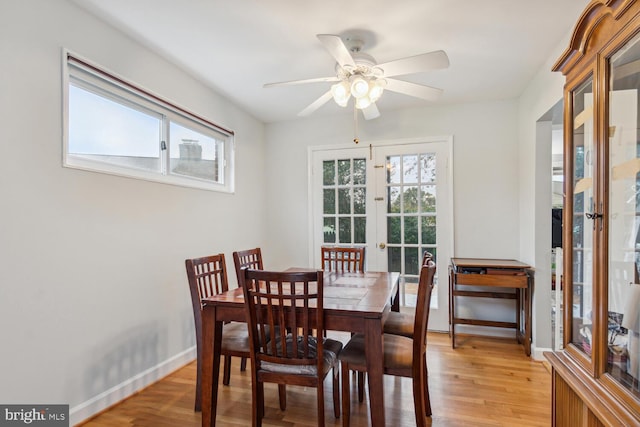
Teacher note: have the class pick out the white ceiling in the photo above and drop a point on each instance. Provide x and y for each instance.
(235, 46)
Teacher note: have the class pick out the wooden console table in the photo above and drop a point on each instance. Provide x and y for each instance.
(492, 273)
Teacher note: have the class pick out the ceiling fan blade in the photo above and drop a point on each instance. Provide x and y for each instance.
(415, 64)
(316, 104)
(413, 89)
(337, 49)
(371, 112)
(299, 82)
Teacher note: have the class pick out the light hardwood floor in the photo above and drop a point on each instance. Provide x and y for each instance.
(484, 382)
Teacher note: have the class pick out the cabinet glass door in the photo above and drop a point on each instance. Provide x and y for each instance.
(582, 222)
(623, 348)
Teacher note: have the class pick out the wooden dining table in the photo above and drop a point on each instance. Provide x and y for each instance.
(353, 302)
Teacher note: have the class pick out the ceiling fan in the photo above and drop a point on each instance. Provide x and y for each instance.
(358, 75)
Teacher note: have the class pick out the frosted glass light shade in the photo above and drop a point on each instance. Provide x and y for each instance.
(377, 87)
(363, 102)
(341, 92)
(359, 87)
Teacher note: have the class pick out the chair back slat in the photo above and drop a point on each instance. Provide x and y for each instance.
(284, 310)
(343, 259)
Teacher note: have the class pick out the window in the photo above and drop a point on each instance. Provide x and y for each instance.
(114, 127)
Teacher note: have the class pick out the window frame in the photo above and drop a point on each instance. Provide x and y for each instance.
(96, 79)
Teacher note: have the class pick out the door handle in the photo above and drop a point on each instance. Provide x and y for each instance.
(382, 246)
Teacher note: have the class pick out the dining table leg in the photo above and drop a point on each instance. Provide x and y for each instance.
(211, 345)
(375, 369)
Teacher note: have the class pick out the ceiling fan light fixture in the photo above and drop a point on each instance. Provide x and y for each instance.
(359, 86)
(363, 102)
(341, 93)
(377, 87)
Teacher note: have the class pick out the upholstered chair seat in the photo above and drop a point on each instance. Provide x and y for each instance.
(331, 349)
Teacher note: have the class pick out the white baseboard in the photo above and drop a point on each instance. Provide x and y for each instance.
(118, 393)
(536, 353)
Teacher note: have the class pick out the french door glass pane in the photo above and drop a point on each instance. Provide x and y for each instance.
(427, 168)
(410, 199)
(429, 230)
(344, 172)
(411, 261)
(359, 171)
(411, 230)
(345, 229)
(344, 201)
(393, 169)
(359, 201)
(428, 198)
(395, 258)
(328, 173)
(329, 230)
(410, 169)
(393, 197)
(359, 229)
(393, 230)
(329, 200)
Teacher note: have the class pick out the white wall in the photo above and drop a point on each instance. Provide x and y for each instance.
(93, 292)
(544, 91)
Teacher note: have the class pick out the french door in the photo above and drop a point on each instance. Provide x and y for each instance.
(395, 199)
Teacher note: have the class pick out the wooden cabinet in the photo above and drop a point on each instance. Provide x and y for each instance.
(596, 377)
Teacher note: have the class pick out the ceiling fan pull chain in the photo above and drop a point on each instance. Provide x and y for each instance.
(355, 124)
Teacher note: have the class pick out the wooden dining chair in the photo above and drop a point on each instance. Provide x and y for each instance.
(286, 320)
(336, 258)
(208, 276)
(250, 258)
(403, 356)
(398, 323)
